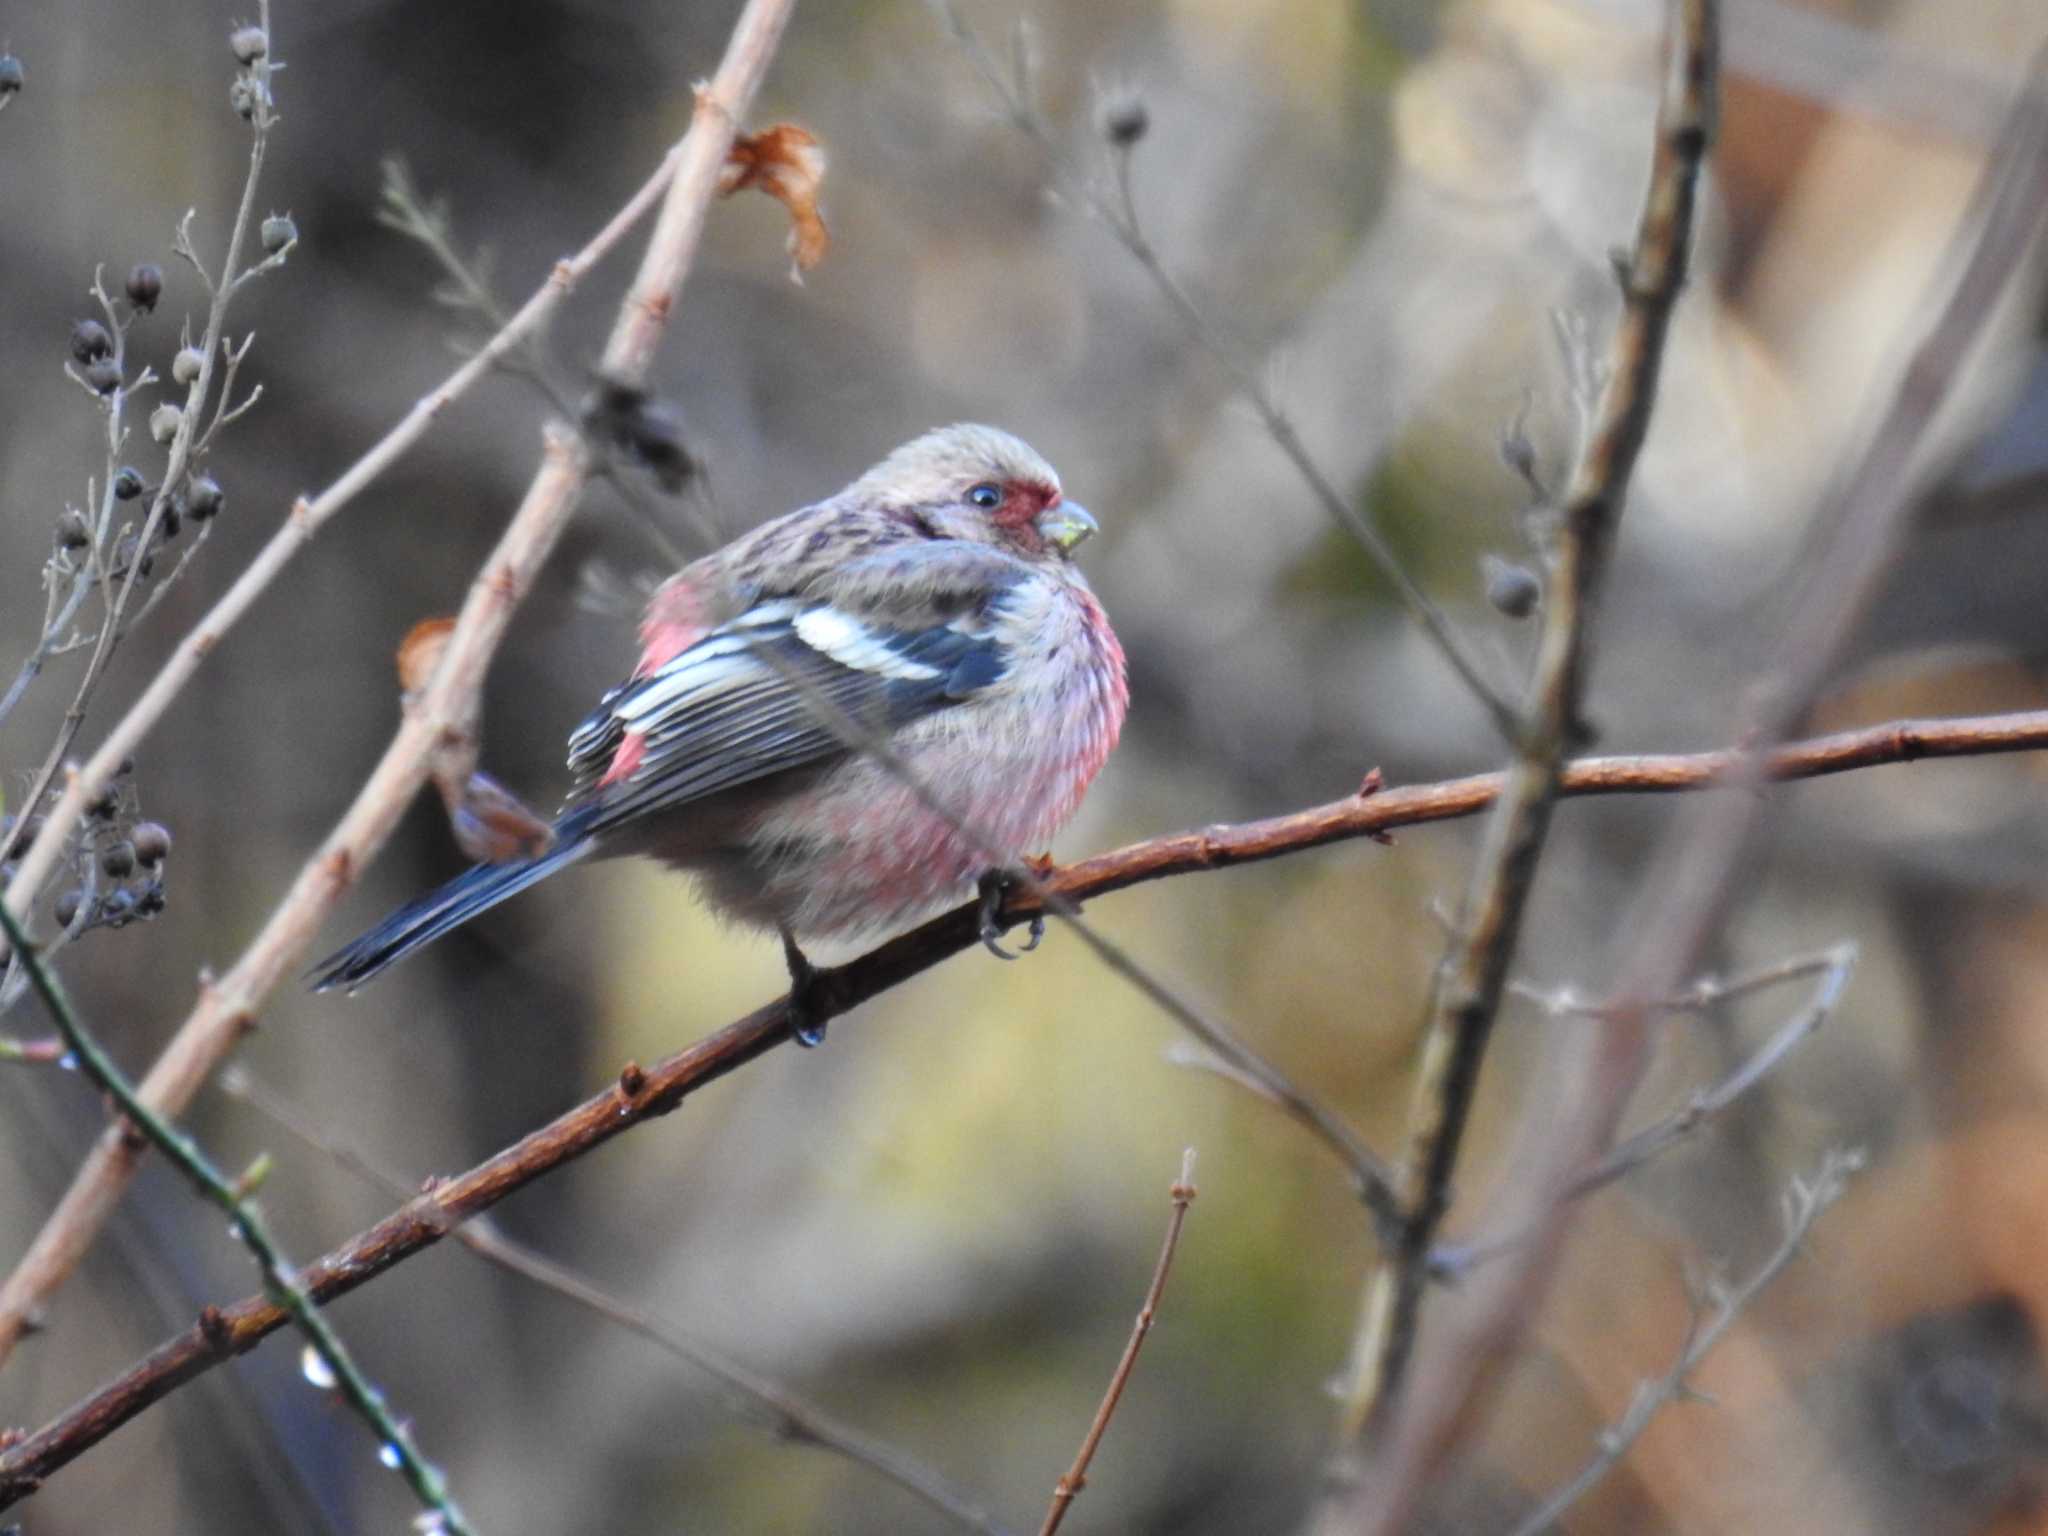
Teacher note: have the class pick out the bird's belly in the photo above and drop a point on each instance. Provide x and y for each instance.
(860, 852)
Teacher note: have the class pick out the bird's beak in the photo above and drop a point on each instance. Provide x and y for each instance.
(1066, 525)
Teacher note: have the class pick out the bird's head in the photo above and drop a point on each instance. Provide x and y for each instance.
(983, 486)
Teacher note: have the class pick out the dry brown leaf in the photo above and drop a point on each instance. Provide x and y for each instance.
(490, 823)
(788, 163)
(488, 820)
(420, 652)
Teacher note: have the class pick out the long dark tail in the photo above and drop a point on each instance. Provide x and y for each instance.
(420, 922)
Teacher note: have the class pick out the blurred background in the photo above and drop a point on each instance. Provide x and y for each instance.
(939, 1226)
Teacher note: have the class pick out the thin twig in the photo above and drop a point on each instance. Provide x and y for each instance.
(1182, 1194)
(1469, 983)
(1805, 1202)
(642, 1095)
(1833, 966)
(1119, 215)
(428, 225)
(1706, 991)
(280, 1282)
(787, 1415)
(90, 574)
(54, 631)
(159, 590)
(15, 984)
(444, 721)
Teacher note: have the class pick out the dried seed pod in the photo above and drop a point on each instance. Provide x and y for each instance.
(90, 341)
(151, 841)
(1511, 588)
(1124, 120)
(203, 497)
(145, 285)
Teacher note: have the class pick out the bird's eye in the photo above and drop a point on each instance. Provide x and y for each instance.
(986, 496)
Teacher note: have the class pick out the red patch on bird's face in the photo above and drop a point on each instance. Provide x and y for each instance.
(1017, 517)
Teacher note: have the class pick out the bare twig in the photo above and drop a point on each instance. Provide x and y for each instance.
(1119, 215)
(159, 590)
(1069, 1487)
(89, 573)
(427, 224)
(644, 1094)
(1832, 966)
(1469, 982)
(1805, 1202)
(279, 1280)
(48, 644)
(445, 719)
(786, 1414)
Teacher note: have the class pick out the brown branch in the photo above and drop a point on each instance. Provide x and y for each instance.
(641, 1095)
(444, 721)
(1469, 983)
(1069, 1487)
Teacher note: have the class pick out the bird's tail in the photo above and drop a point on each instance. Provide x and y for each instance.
(420, 922)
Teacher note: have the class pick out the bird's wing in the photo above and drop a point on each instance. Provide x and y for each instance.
(881, 642)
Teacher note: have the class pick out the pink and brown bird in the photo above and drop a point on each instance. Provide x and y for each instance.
(848, 718)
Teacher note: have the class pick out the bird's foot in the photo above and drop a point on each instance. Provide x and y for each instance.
(994, 886)
(804, 1021)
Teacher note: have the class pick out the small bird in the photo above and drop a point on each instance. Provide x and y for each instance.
(846, 719)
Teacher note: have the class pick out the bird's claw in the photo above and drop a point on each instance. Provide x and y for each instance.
(803, 980)
(994, 886)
